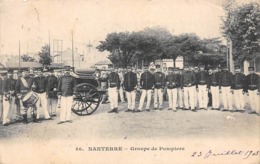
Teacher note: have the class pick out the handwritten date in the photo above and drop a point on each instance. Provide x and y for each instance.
(244, 154)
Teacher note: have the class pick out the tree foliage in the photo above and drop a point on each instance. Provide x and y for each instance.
(45, 57)
(27, 58)
(156, 43)
(241, 24)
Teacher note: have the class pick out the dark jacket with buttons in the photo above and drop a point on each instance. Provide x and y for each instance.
(40, 84)
(147, 80)
(113, 80)
(252, 82)
(202, 78)
(173, 81)
(20, 88)
(214, 80)
(130, 81)
(52, 86)
(226, 78)
(159, 80)
(188, 78)
(67, 85)
(1, 86)
(9, 85)
(238, 81)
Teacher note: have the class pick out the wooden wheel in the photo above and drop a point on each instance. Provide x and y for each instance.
(87, 99)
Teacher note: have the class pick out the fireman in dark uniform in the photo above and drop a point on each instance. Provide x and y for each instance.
(51, 91)
(226, 80)
(252, 82)
(202, 80)
(40, 86)
(159, 84)
(189, 88)
(66, 93)
(146, 84)
(113, 88)
(213, 87)
(173, 80)
(9, 101)
(22, 87)
(238, 88)
(130, 86)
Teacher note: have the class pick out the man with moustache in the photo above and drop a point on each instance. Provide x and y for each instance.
(159, 84)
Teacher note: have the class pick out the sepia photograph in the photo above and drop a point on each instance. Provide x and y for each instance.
(129, 81)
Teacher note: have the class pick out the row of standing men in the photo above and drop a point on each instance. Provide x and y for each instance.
(52, 88)
(186, 89)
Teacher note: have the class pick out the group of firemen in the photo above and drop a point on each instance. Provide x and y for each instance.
(191, 88)
(44, 90)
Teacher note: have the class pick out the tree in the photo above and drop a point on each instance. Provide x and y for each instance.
(45, 57)
(241, 24)
(27, 58)
(212, 53)
(121, 47)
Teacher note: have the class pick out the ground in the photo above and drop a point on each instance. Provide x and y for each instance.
(150, 126)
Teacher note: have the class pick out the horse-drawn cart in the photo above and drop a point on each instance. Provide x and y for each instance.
(88, 93)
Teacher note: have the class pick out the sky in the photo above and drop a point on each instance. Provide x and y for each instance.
(32, 22)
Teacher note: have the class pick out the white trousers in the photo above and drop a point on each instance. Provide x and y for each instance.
(65, 110)
(8, 109)
(180, 98)
(1, 107)
(172, 96)
(42, 103)
(239, 99)
(148, 94)
(52, 105)
(203, 96)
(131, 99)
(215, 96)
(189, 97)
(254, 100)
(158, 94)
(226, 98)
(113, 97)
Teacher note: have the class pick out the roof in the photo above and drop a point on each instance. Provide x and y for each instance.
(104, 62)
(15, 65)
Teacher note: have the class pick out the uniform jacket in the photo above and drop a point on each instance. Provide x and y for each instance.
(238, 81)
(188, 77)
(147, 80)
(214, 79)
(159, 80)
(9, 85)
(52, 84)
(67, 85)
(252, 82)
(113, 80)
(20, 88)
(173, 81)
(40, 84)
(130, 81)
(1, 86)
(226, 78)
(202, 78)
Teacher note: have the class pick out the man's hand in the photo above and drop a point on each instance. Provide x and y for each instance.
(209, 90)
(19, 96)
(258, 93)
(73, 96)
(182, 90)
(59, 96)
(197, 89)
(54, 89)
(231, 90)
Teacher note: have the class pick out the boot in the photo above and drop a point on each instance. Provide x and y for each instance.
(35, 119)
(25, 121)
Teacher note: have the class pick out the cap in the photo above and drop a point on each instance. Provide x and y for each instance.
(170, 69)
(152, 67)
(251, 68)
(237, 67)
(67, 68)
(158, 66)
(45, 70)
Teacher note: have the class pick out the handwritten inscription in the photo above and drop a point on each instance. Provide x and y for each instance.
(244, 154)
